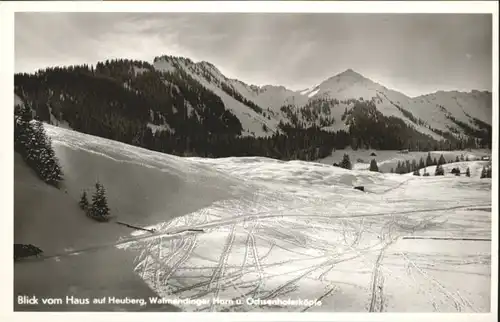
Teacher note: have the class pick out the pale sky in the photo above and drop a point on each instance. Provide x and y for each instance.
(412, 53)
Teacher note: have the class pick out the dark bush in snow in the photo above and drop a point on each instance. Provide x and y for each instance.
(360, 188)
(23, 250)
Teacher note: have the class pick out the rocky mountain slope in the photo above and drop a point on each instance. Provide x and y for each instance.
(441, 111)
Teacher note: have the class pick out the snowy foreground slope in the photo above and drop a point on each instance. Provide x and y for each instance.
(244, 230)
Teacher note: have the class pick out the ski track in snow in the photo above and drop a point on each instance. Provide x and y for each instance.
(278, 228)
(292, 234)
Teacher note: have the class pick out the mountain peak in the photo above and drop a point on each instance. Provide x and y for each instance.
(350, 73)
(348, 76)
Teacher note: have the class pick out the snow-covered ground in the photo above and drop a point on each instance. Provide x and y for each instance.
(388, 159)
(243, 230)
(475, 168)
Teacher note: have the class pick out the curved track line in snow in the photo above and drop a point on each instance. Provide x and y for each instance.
(191, 245)
(256, 259)
(458, 303)
(219, 271)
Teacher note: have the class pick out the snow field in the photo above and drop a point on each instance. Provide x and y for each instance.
(319, 242)
(275, 230)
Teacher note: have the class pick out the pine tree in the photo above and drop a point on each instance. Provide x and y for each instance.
(426, 174)
(483, 173)
(466, 158)
(373, 166)
(428, 161)
(441, 160)
(84, 202)
(421, 163)
(35, 146)
(31, 141)
(401, 166)
(346, 162)
(41, 156)
(416, 172)
(457, 159)
(99, 209)
(392, 170)
(414, 165)
(53, 169)
(467, 172)
(439, 171)
(486, 172)
(434, 162)
(23, 130)
(462, 157)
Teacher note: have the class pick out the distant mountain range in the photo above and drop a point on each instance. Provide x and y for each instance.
(117, 99)
(440, 110)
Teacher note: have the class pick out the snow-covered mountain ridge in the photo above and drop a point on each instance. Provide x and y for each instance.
(262, 105)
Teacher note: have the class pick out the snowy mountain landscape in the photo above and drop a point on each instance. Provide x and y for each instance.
(251, 229)
(253, 233)
(359, 179)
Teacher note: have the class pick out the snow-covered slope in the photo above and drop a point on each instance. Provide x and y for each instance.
(388, 159)
(50, 219)
(434, 108)
(257, 228)
(211, 78)
(474, 167)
